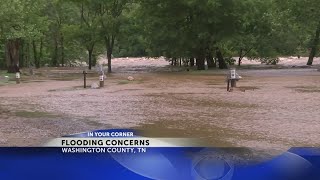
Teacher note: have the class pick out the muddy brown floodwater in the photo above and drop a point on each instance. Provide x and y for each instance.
(272, 108)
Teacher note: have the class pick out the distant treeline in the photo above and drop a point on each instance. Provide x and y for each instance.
(60, 32)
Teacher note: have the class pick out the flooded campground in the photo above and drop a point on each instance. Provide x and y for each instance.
(272, 108)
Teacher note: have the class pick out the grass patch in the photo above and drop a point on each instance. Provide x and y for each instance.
(139, 81)
(217, 72)
(67, 78)
(180, 98)
(36, 114)
(215, 83)
(246, 88)
(224, 104)
(3, 83)
(306, 89)
(75, 88)
(122, 82)
(5, 73)
(9, 80)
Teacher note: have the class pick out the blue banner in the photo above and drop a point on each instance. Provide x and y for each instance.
(83, 163)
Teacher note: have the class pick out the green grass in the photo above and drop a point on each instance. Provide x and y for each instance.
(4, 80)
(122, 82)
(4, 73)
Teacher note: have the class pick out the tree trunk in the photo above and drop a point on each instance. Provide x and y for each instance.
(191, 62)
(22, 54)
(55, 53)
(12, 47)
(90, 51)
(94, 60)
(200, 63)
(109, 44)
(109, 56)
(27, 55)
(35, 54)
(175, 61)
(210, 61)
(314, 46)
(240, 57)
(40, 51)
(197, 62)
(222, 63)
(62, 49)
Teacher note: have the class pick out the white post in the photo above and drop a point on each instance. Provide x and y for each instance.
(101, 79)
(17, 77)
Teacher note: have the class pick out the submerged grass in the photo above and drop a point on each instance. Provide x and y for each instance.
(305, 89)
(185, 100)
(124, 82)
(224, 104)
(36, 114)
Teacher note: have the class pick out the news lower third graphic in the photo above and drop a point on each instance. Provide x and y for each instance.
(126, 154)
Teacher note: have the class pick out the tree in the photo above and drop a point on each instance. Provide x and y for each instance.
(131, 39)
(187, 28)
(20, 21)
(86, 27)
(110, 14)
(305, 14)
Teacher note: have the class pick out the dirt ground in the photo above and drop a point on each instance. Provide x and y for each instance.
(272, 108)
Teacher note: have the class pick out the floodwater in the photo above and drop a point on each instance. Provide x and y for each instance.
(271, 109)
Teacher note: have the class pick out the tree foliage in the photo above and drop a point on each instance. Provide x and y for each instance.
(59, 33)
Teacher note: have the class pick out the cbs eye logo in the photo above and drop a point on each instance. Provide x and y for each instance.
(210, 167)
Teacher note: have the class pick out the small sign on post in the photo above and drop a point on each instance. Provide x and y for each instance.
(18, 77)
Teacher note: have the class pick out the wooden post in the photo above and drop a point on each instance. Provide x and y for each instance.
(228, 86)
(84, 79)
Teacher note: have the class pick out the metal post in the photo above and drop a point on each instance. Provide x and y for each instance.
(233, 83)
(84, 79)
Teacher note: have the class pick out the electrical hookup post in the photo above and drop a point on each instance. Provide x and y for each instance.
(18, 77)
(232, 79)
(101, 77)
